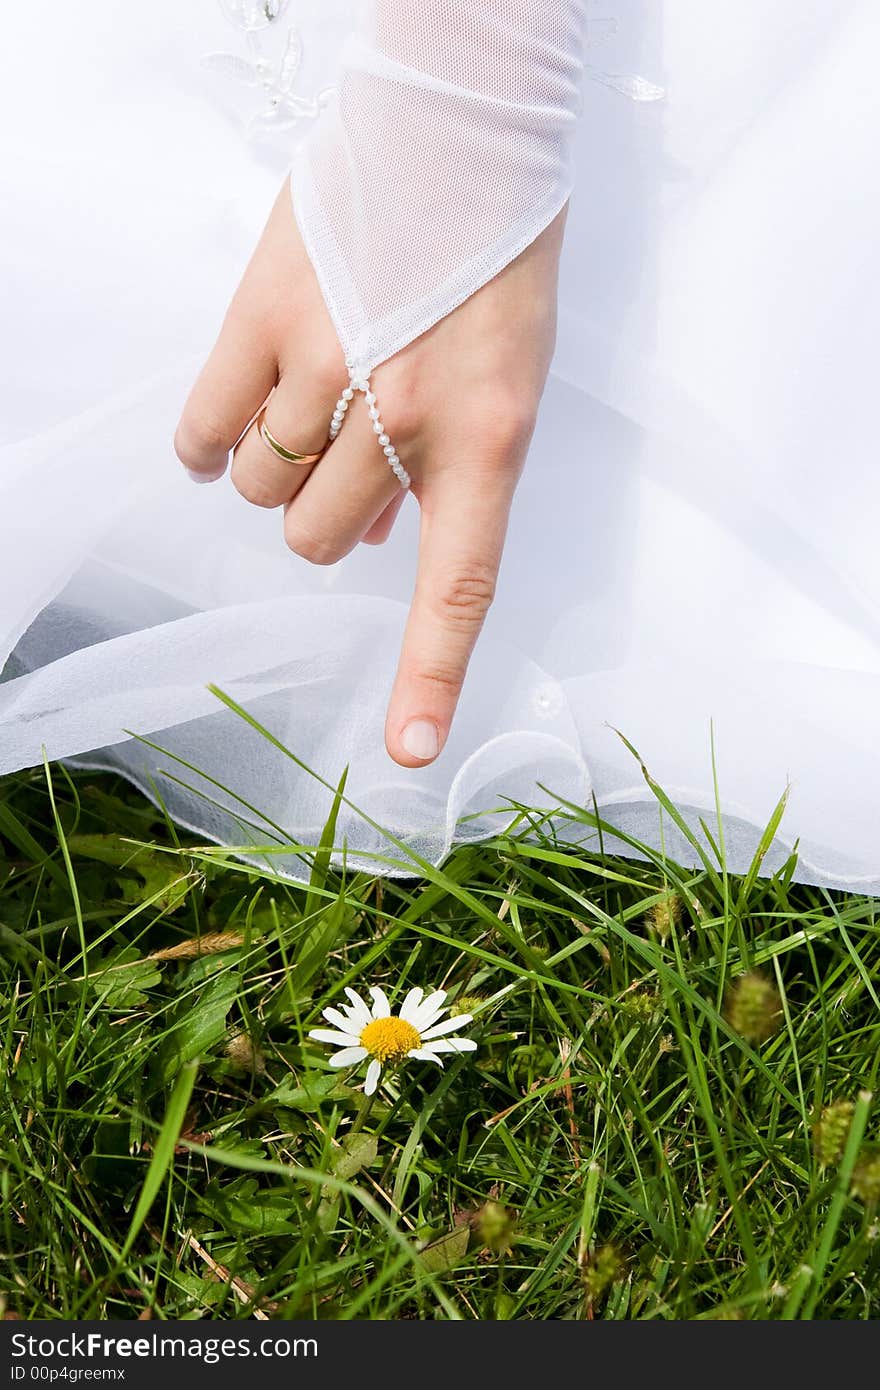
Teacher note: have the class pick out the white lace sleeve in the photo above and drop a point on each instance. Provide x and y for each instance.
(446, 150)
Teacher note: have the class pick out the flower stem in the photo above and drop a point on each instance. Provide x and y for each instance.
(362, 1115)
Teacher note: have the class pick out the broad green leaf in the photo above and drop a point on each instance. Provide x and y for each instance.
(200, 1022)
(446, 1253)
(311, 1093)
(244, 1206)
(356, 1151)
(205, 1291)
(110, 1166)
(121, 980)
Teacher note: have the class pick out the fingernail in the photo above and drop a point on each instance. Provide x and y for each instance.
(203, 477)
(421, 739)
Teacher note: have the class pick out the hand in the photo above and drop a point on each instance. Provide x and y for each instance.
(459, 405)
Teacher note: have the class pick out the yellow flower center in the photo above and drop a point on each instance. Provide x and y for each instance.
(389, 1039)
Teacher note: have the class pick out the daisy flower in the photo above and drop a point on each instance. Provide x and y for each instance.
(388, 1039)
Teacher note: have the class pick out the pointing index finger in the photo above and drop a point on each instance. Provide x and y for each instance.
(463, 525)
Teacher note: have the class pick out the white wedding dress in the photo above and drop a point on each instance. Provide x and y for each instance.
(693, 544)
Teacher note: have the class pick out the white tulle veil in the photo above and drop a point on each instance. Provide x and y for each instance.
(691, 549)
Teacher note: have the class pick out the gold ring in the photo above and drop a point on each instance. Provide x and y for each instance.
(278, 449)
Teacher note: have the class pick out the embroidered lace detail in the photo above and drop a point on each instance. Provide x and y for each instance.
(285, 109)
(628, 84)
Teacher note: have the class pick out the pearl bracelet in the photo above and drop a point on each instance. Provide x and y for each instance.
(357, 381)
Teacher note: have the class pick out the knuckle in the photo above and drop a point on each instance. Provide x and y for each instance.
(315, 549)
(323, 367)
(510, 423)
(329, 371)
(444, 676)
(401, 416)
(401, 401)
(465, 597)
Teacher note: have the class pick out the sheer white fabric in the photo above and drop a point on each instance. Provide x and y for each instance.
(445, 152)
(693, 538)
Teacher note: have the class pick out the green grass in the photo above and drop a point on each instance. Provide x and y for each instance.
(170, 1140)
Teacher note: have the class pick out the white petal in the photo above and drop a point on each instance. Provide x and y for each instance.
(339, 1019)
(327, 1035)
(424, 1056)
(424, 1024)
(372, 1081)
(451, 1045)
(348, 1057)
(410, 1005)
(360, 1011)
(381, 1007)
(428, 1009)
(428, 1020)
(449, 1025)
